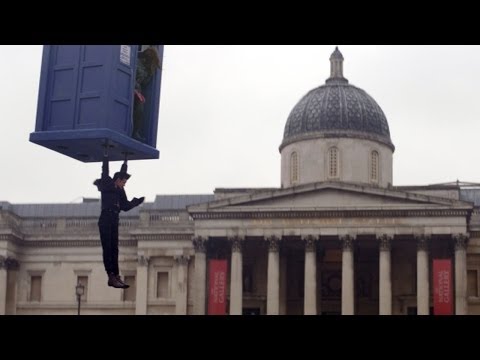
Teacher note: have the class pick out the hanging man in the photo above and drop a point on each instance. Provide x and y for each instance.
(114, 200)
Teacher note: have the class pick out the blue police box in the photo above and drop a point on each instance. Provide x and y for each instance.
(86, 102)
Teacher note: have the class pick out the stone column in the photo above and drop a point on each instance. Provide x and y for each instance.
(3, 286)
(310, 292)
(461, 241)
(348, 293)
(423, 285)
(12, 265)
(236, 280)
(283, 281)
(182, 284)
(320, 259)
(273, 282)
(385, 286)
(200, 276)
(142, 286)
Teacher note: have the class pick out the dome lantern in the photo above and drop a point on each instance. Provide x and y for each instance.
(336, 67)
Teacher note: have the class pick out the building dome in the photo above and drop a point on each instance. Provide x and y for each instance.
(337, 109)
(337, 132)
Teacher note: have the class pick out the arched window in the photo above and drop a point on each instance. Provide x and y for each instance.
(294, 167)
(333, 163)
(374, 166)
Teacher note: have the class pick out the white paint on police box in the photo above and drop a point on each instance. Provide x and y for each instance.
(125, 51)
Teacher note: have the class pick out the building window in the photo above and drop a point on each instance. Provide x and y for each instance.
(162, 285)
(129, 294)
(374, 167)
(84, 281)
(35, 288)
(333, 163)
(472, 283)
(294, 167)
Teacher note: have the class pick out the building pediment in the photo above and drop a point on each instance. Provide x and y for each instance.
(331, 196)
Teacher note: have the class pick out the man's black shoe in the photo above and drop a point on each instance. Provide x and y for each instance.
(114, 282)
(125, 285)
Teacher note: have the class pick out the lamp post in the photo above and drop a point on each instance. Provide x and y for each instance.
(79, 290)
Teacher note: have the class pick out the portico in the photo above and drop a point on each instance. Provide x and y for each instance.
(358, 251)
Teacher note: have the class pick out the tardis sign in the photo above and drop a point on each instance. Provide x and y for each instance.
(97, 96)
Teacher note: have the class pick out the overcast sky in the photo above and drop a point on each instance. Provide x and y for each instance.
(223, 110)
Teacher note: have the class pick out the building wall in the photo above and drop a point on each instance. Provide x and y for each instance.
(59, 254)
(354, 161)
(59, 249)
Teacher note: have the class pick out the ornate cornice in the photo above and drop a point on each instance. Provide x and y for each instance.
(199, 244)
(143, 260)
(12, 264)
(338, 134)
(237, 243)
(347, 242)
(273, 243)
(13, 237)
(72, 243)
(423, 241)
(385, 242)
(9, 263)
(181, 259)
(156, 237)
(325, 214)
(310, 242)
(461, 241)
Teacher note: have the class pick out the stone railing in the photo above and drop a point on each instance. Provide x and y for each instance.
(81, 223)
(161, 217)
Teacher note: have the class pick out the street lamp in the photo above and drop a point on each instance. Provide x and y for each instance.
(79, 290)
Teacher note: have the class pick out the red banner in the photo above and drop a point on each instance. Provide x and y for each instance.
(442, 287)
(217, 293)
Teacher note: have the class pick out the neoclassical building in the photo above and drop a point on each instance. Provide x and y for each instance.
(337, 237)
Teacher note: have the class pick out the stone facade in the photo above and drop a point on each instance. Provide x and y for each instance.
(288, 249)
(354, 161)
(348, 244)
